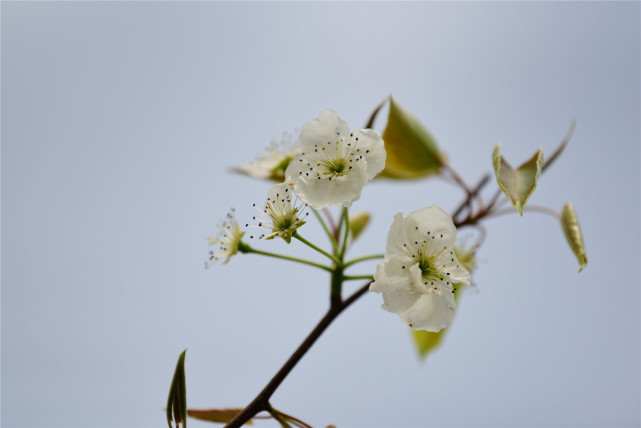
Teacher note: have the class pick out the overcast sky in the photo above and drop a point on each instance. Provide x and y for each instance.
(120, 122)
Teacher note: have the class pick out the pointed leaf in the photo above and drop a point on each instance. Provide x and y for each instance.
(561, 147)
(572, 231)
(177, 401)
(411, 150)
(517, 184)
(222, 416)
(358, 223)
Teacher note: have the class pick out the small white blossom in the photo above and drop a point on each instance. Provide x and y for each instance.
(227, 241)
(334, 163)
(271, 164)
(282, 215)
(420, 269)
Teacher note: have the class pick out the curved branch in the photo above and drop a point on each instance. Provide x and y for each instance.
(261, 402)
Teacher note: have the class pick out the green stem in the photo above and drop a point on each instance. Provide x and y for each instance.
(345, 219)
(361, 259)
(245, 248)
(351, 277)
(326, 229)
(320, 250)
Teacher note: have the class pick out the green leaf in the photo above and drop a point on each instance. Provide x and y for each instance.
(517, 184)
(222, 416)
(357, 223)
(411, 150)
(572, 231)
(177, 400)
(561, 147)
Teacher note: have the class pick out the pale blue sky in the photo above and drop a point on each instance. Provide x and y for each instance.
(120, 122)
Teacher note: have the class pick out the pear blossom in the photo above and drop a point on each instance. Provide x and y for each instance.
(227, 241)
(334, 163)
(271, 164)
(420, 270)
(283, 216)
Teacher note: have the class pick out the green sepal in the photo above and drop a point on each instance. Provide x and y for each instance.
(177, 400)
(518, 184)
(572, 231)
(411, 150)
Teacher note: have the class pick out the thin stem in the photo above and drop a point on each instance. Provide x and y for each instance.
(320, 250)
(458, 180)
(276, 415)
(363, 258)
(326, 229)
(261, 402)
(352, 277)
(248, 249)
(473, 193)
(345, 218)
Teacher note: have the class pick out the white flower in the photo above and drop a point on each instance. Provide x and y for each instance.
(282, 215)
(420, 270)
(333, 163)
(227, 241)
(271, 165)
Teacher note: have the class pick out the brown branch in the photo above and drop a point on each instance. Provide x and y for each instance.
(471, 195)
(261, 402)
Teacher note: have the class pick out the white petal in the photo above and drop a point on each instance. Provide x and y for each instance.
(372, 147)
(322, 130)
(322, 193)
(431, 312)
(279, 191)
(397, 237)
(457, 273)
(393, 281)
(434, 220)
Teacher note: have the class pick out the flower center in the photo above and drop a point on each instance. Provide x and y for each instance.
(425, 266)
(284, 223)
(336, 166)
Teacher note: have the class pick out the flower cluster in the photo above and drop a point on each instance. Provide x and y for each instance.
(328, 166)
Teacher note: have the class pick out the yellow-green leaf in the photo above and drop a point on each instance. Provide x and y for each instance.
(518, 184)
(411, 150)
(572, 231)
(222, 416)
(177, 400)
(358, 223)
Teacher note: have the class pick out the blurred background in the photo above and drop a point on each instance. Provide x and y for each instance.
(121, 121)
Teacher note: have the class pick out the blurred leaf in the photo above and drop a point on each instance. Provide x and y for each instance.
(177, 401)
(572, 231)
(427, 341)
(517, 184)
(358, 223)
(561, 147)
(411, 150)
(222, 416)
